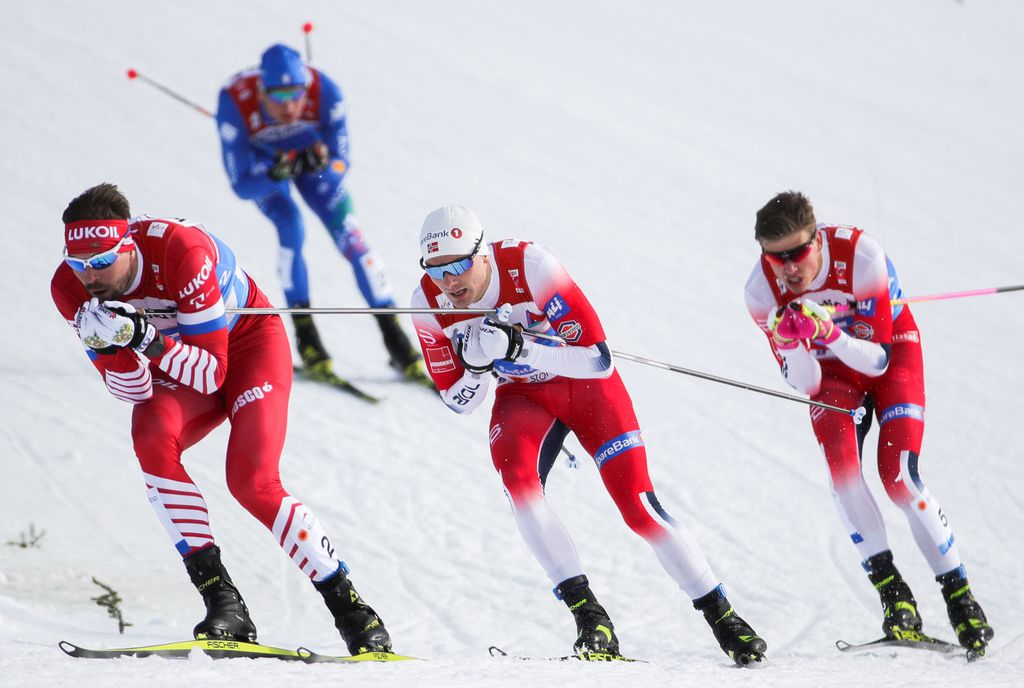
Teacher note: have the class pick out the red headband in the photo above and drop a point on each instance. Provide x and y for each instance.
(95, 236)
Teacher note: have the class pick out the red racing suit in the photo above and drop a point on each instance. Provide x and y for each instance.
(214, 367)
(877, 363)
(542, 396)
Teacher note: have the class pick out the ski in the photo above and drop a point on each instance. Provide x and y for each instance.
(330, 379)
(919, 641)
(495, 651)
(217, 649)
(310, 657)
(225, 649)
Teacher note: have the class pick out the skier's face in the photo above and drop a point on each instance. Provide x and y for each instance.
(795, 259)
(285, 105)
(111, 282)
(467, 288)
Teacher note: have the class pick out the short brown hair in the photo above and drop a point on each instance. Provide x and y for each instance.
(101, 202)
(788, 212)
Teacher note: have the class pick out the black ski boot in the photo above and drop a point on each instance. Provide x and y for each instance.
(595, 633)
(315, 359)
(734, 635)
(360, 627)
(900, 619)
(965, 614)
(226, 614)
(404, 357)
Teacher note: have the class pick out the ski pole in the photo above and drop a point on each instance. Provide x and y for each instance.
(956, 294)
(857, 414)
(134, 74)
(159, 312)
(307, 29)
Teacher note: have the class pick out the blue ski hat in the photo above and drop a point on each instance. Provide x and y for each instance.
(281, 66)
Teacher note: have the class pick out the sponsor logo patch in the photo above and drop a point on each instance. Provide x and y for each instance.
(867, 306)
(440, 359)
(911, 411)
(556, 308)
(911, 336)
(861, 330)
(570, 331)
(616, 446)
(251, 395)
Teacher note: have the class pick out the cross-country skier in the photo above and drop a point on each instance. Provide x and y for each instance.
(543, 393)
(283, 124)
(186, 374)
(821, 293)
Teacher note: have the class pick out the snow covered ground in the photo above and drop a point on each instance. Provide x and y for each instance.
(636, 139)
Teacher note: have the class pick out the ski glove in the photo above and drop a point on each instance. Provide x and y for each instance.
(799, 320)
(315, 158)
(287, 165)
(471, 354)
(112, 325)
(499, 340)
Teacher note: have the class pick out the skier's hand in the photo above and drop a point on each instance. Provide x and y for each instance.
(315, 158)
(499, 340)
(287, 165)
(799, 320)
(826, 329)
(472, 355)
(112, 325)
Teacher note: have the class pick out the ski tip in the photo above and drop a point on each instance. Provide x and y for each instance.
(67, 648)
(754, 661)
(496, 651)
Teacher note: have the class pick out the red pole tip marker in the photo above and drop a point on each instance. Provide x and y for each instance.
(307, 27)
(132, 74)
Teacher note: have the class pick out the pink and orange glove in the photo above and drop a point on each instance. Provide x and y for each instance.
(800, 320)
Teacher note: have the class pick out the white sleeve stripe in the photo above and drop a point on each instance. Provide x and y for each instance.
(193, 366)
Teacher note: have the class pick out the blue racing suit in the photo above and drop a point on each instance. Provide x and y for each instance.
(250, 140)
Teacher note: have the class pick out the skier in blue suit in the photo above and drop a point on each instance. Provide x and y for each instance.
(283, 124)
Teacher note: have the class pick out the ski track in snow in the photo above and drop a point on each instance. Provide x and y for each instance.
(637, 140)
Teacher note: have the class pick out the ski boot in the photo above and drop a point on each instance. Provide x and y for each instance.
(734, 635)
(595, 634)
(965, 614)
(226, 614)
(404, 356)
(360, 627)
(900, 619)
(315, 359)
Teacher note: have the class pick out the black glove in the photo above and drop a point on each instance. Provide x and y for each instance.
(287, 165)
(315, 158)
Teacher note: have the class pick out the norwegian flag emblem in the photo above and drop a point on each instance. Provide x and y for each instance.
(432, 247)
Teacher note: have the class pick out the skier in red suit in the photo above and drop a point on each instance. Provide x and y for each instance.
(822, 294)
(544, 391)
(186, 373)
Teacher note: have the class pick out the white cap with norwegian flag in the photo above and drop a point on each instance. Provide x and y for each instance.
(451, 230)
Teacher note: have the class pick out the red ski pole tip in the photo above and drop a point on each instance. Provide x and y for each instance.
(307, 27)
(132, 74)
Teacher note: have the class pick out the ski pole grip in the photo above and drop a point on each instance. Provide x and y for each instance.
(858, 414)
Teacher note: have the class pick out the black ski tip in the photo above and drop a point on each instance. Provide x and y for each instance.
(68, 648)
(496, 651)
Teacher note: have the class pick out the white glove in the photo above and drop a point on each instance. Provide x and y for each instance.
(500, 341)
(471, 353)
(112, 325)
